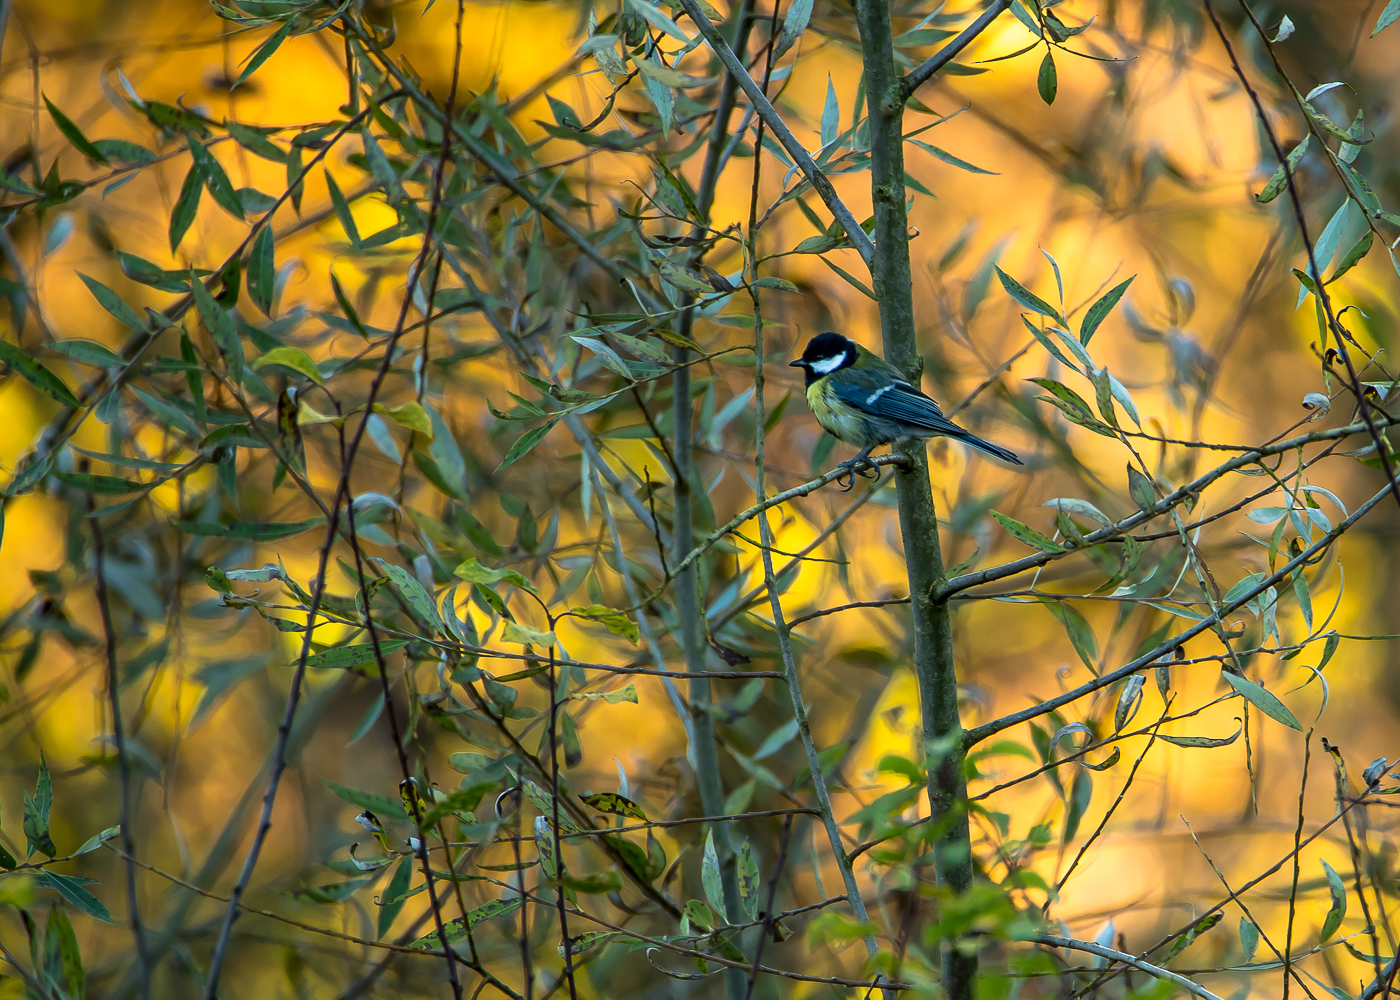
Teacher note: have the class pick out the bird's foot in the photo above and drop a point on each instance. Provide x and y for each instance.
(858, 466)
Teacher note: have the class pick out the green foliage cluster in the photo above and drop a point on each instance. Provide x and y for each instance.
(305, 472)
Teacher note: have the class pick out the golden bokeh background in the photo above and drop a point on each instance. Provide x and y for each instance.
(1146, 166)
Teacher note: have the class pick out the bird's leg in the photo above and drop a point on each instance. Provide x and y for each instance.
(858, 466)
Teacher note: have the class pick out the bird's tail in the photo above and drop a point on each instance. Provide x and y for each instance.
(986, 447)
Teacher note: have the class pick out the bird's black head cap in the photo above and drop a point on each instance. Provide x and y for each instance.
(824, 354)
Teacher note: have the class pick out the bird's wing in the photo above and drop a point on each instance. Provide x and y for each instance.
(898, 401)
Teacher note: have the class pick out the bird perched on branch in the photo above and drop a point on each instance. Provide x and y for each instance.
(864, 401)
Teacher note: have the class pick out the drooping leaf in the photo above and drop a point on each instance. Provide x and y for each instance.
(249, 531)
(36, 374)
(264, 52)
(749, 883)
(345, 657)
(456, 930)
(1262, 699)
(418, 598)
(1046, 80)
(380, 804)
(72, 890)
(73, 134)
(710, 875)
(262, 271)
(1338, 891)
(615, 621)
(1081, 635)
(1026, 534)
(611, 802)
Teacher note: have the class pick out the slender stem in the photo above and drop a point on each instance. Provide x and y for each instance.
(920, 75)
(918, 520)
(133, 911)
(782, 133)
(1055, 941)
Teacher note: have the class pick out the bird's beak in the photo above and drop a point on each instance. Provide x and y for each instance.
(794, 364)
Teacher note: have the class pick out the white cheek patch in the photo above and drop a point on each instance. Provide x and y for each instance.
(828, 365)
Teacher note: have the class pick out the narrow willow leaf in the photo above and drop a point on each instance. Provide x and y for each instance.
(749, 882)
(215, 178)
(346, 657)
(456, 930)
(1046, 80)
(418, 598)
(1026, 297)
(341, 207)
(1389, 15)
(525, 443)
(615, 621)
(36, 374)
(113, 303)
(73, 134)
(264, 52)
(1081, 635)
(1334, 916)
(1262, 699)
(262, 271)
(90, 483)
(291, 357)
(1141, 490)
(710, 875)
(186, 206)
(799, 14)
(1202, 742)
(1099, 311)
(249, 531)
(525, 635)
(831, 114)
(1028, 535)
(1280, 178)
(381, 805)
(618, 805)
(72, 890)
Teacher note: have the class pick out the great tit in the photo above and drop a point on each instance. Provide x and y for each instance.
(861, 400)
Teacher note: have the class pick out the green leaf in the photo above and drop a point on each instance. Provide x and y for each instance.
(255, 142)
(215, 179)
(1388, 17)
(62, 944)
(473, 572)
(1046, 80)
(394, 896)
(1099, 311)
(615, 621)
(89, 352)
(1081, 635)
(106, 485)
(1352, 257)
(380, 805)
(1280, 179)
(710, 875)
(264, 52)
(1141, 490)
(1027, 534)
(525, 443)
(1249, 933)
(248, 531)
(36, 374)
(851, 280)
(1026, 297)
(699, 915)
(113, 303)
(36, 812)
(1202, 742)
(418, 598)
(410, 415)
(74, 134)
(950, 159)
(525, 635)
(1334, 916)
(186, 206)
(341, 207)
(262, 271)
(72, 890)
(294, 358)
(345, 657)
(618, 696)
(456, 930)
(611, 802)
(749, 883)
(1262, 699)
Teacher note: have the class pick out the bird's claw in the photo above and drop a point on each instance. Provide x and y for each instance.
(854, 467)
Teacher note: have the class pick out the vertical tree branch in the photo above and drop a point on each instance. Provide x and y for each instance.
(133, 911)
(933, 641)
